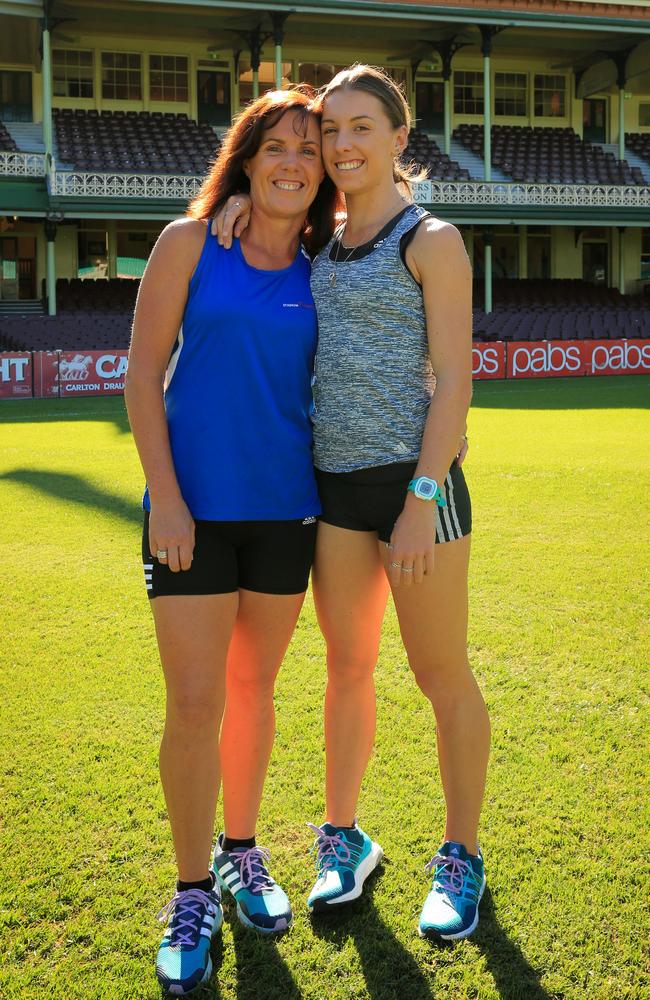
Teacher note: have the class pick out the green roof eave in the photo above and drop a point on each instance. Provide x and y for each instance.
(425, 12)
(23, 197)
(540, 215)
(122, 208)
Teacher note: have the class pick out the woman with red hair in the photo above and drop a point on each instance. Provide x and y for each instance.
(219, 395)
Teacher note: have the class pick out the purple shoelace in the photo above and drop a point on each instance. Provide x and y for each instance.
(252, 868)
(450, 872)
(185, 909)
(328, 846)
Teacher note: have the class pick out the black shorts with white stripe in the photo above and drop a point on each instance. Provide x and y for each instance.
(372, 500)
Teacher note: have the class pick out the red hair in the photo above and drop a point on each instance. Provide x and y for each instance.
(241, 143)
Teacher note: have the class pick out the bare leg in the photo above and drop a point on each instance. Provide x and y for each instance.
(350, 592)
(264, 626)
(193, 637)
(433, 622)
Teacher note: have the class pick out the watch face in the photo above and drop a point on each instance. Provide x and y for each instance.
(425, 489)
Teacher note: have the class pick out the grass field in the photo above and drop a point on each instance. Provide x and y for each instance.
(560, 477)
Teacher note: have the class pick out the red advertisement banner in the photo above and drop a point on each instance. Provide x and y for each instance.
(46, 374)
(617, 357)
(557, 358)
(488, 360)
(15, 374)
(91, 373)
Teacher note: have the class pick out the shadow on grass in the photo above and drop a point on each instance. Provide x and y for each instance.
(628, 392)
(514, 977)
(75, 489)
(262, 973)
(388, 968)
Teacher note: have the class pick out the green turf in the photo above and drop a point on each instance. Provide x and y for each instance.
(559, 472)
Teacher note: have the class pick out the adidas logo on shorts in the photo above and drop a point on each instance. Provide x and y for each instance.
(309, 520)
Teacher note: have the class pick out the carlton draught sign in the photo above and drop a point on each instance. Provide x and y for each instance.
(16, 375)
(79, 373)
(91, 373)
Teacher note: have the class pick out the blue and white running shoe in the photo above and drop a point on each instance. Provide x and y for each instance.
(193, 918)
(261, 903)
(450, 911)
(345, 859)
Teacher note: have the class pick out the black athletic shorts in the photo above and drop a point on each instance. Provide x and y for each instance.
(269, 557)
(373, 499)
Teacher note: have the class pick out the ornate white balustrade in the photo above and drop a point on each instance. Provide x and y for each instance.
(520, 195)
(76, 184)
(80, 184)
(22, 164)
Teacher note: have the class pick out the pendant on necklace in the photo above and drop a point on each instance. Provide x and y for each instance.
(333, 279)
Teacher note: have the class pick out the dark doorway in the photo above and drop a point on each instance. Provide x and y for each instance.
(15, 96)
(430, 105)
(213, 93)
(595, 263)
(594, 119)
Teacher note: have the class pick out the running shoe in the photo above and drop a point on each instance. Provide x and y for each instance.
(261, 903)
(450, 910)
(193, 918)
(345, 859)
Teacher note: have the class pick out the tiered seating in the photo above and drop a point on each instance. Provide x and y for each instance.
(639, 143)
(66, 332)
(550, 292)
(133, 142)
(548, 156)
(570, 323)
(103, 295)
(423, 150)
(7, 144)
(559, 309)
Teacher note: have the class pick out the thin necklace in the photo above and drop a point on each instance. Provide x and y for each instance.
(346, 259)
(336, 260)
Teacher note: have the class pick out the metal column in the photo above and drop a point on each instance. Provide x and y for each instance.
(47, 94)
(487, 250)
(621, 259)
(111, 234)
(50, 229)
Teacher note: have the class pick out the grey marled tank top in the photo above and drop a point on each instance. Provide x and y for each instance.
(373, 380)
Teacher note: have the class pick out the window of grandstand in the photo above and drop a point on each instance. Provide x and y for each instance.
(266, 80)
(550, 96)
(317, 74)
(539, 252)
(168, 78)
(72, 72)
(468, 93)
(121, 76)
(644, 114)
(645, 253)
(511, 95)
(505, 253)
(15, 96)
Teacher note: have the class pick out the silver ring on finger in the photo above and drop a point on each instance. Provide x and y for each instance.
(161, 554)
(395, 565)
(407, 569)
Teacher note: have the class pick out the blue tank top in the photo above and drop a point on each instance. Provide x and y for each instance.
(238, 390)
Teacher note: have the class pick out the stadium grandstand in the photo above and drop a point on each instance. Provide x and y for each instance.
(532, 121)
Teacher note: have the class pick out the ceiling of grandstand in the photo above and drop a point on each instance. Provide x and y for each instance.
(386, 38)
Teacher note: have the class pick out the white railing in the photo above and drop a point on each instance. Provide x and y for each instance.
(22, 164)
(78, 184)
(516, 194)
